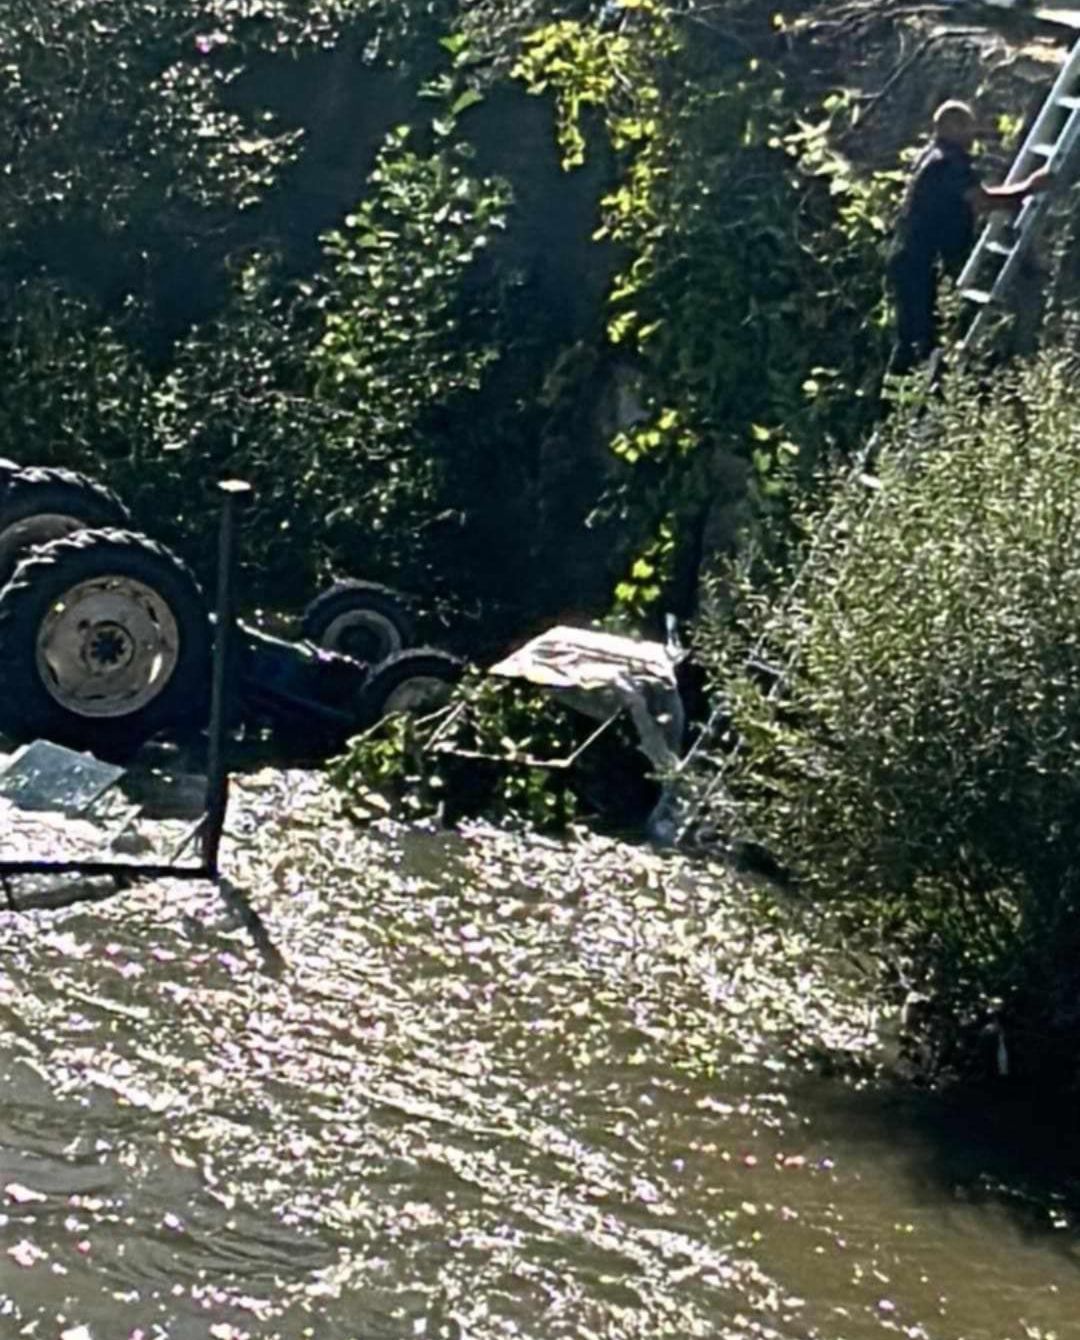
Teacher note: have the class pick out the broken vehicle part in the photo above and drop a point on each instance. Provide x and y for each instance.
(38, 505)
(360, 619)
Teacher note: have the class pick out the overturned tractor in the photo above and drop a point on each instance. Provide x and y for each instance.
(106, 637)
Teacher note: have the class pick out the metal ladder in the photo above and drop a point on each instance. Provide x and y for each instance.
(999, 251)
(1001, 244)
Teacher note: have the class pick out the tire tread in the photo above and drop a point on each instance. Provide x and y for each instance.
(110, 735)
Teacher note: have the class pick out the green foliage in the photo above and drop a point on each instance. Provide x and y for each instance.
(404, 331)
(72, 387)
(922, 756)
(649, 573)
(484, 754)
(321, 397)
(395, 338)
(607, 71)
(401, 404)
(753, 261)
(318, 393)
(238, 401)
(120, 111)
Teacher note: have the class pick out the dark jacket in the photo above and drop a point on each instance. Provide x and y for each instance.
(936, 222)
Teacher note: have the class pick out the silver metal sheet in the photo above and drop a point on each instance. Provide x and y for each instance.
(45, 776)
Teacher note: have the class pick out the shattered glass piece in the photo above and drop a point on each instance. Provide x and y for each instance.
(44, 776)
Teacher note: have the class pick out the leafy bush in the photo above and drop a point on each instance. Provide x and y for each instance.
(503, 749)
(73, 392)
(440, 380)
(322, 393)
(922, 757)
(476, 757)
(750, 296)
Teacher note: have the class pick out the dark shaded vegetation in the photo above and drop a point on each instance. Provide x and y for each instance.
(341, 251)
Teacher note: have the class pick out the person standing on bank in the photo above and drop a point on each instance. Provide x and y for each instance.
(935, 231)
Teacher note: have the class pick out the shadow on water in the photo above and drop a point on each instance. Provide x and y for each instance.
(975, 1147)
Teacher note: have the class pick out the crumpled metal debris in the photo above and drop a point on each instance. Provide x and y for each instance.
(58, 804)
(46, 776)
(602, 674)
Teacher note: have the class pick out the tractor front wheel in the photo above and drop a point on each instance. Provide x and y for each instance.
(417, 682)
(359, 619)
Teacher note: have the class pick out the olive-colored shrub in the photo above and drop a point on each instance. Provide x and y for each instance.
(921, 756)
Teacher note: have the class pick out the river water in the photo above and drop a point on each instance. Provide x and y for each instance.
(481, 1087)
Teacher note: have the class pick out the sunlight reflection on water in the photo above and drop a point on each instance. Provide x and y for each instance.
(495, 1088)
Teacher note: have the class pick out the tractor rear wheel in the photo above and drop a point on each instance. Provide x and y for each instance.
(104, 642)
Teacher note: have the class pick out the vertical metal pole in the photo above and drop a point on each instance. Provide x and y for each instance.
(217, 775)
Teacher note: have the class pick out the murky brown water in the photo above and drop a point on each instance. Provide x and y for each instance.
(491, 1089)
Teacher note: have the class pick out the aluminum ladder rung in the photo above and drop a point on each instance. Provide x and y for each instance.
(1052, 138)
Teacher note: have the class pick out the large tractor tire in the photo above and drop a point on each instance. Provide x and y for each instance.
(415, 682)
(104, 642)
(359, 619)
(40, 505)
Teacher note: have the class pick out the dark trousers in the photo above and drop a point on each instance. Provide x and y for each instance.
(914, 291)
